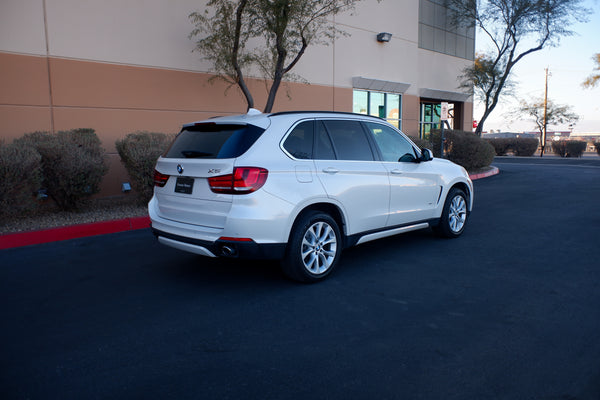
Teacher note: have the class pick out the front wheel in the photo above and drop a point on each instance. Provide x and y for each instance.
(454, 216)
(314, 248)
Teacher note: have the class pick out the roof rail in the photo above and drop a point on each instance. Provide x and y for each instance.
(323, 112)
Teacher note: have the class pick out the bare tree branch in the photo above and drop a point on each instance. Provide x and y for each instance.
(283, 29)
(509, 24)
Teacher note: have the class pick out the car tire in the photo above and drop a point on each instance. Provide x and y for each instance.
(454, 216)
(314, 248)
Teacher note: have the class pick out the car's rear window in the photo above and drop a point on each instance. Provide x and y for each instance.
(210, 140)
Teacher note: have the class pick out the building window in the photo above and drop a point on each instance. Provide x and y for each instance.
(431, 112)
(383, 105)
(437, 33)
(430, 119)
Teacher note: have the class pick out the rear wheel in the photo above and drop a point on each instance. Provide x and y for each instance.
(314, 248)
(454, 216)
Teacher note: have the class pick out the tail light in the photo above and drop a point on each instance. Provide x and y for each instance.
(160, 180)
(243, 180)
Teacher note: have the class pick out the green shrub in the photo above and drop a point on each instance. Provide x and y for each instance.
(463, 148)
(597, 146)
(525, 147)
(569, 148)
(501, 145)
(559, 148)
(20, 179)
(73, 164)
(139, 152)
(575, 148)
(422, 143)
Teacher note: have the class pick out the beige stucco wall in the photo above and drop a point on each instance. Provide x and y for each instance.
(22, 27)
(361, 55)
(120, 66)
(119, 99)
(154, 33)
(439, 71)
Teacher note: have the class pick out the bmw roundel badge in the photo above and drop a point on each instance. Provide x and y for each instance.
(180, 168)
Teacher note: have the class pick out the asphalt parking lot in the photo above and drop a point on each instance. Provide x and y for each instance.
(511, 310)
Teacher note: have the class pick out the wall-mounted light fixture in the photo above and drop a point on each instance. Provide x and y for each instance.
(42, 194)
(384, 37)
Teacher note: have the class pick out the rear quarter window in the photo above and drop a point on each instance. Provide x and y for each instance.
(210, 140)
(299, 143)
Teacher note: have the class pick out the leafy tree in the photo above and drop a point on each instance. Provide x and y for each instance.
(592, 80)
(228, 29)
(279, 30)
(484, 76)
(555, 114)
(514, 28)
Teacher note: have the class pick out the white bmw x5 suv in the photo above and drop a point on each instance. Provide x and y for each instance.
(300, 187)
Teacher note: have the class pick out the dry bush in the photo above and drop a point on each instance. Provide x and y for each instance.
(20, 179)
(463, 148)
(139, 152)
(73, 164)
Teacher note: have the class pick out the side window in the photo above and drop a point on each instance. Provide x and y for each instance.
(349, 140)
(393, 146)
(299, 143)
(324, 148)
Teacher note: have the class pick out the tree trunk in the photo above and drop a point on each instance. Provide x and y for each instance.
(246, 92)
(272, 93)
(479, 129)
(236, 45)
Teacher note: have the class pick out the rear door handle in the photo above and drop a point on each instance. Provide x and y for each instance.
(396, 172)
(331, 170)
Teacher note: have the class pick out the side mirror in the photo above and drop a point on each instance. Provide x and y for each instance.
(426, 155)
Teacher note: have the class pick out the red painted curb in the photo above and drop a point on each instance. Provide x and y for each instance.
(492, 171)
(72, 232)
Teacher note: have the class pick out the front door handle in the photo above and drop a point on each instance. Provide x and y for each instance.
(331, 170)
(396, 172)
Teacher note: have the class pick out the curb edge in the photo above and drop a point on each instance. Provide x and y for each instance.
(21, 239)
(491, 172)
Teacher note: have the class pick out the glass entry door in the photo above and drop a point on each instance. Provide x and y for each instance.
(430, 117)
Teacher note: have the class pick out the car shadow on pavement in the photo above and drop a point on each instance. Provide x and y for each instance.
(204, 270)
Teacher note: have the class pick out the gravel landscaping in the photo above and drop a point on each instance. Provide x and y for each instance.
(103, 209)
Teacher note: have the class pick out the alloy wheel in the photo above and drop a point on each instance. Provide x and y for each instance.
(319, 247)
(457, 214)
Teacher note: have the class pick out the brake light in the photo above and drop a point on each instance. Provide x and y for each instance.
(160, 180)
(243, 180)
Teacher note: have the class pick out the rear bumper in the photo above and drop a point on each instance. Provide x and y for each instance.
(222, 248)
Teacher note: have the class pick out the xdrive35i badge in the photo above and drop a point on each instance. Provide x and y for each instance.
(180, 168)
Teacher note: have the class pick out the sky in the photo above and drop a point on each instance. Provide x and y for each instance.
(569, 64)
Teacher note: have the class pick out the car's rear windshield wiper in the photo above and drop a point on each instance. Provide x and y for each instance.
(195, 154)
